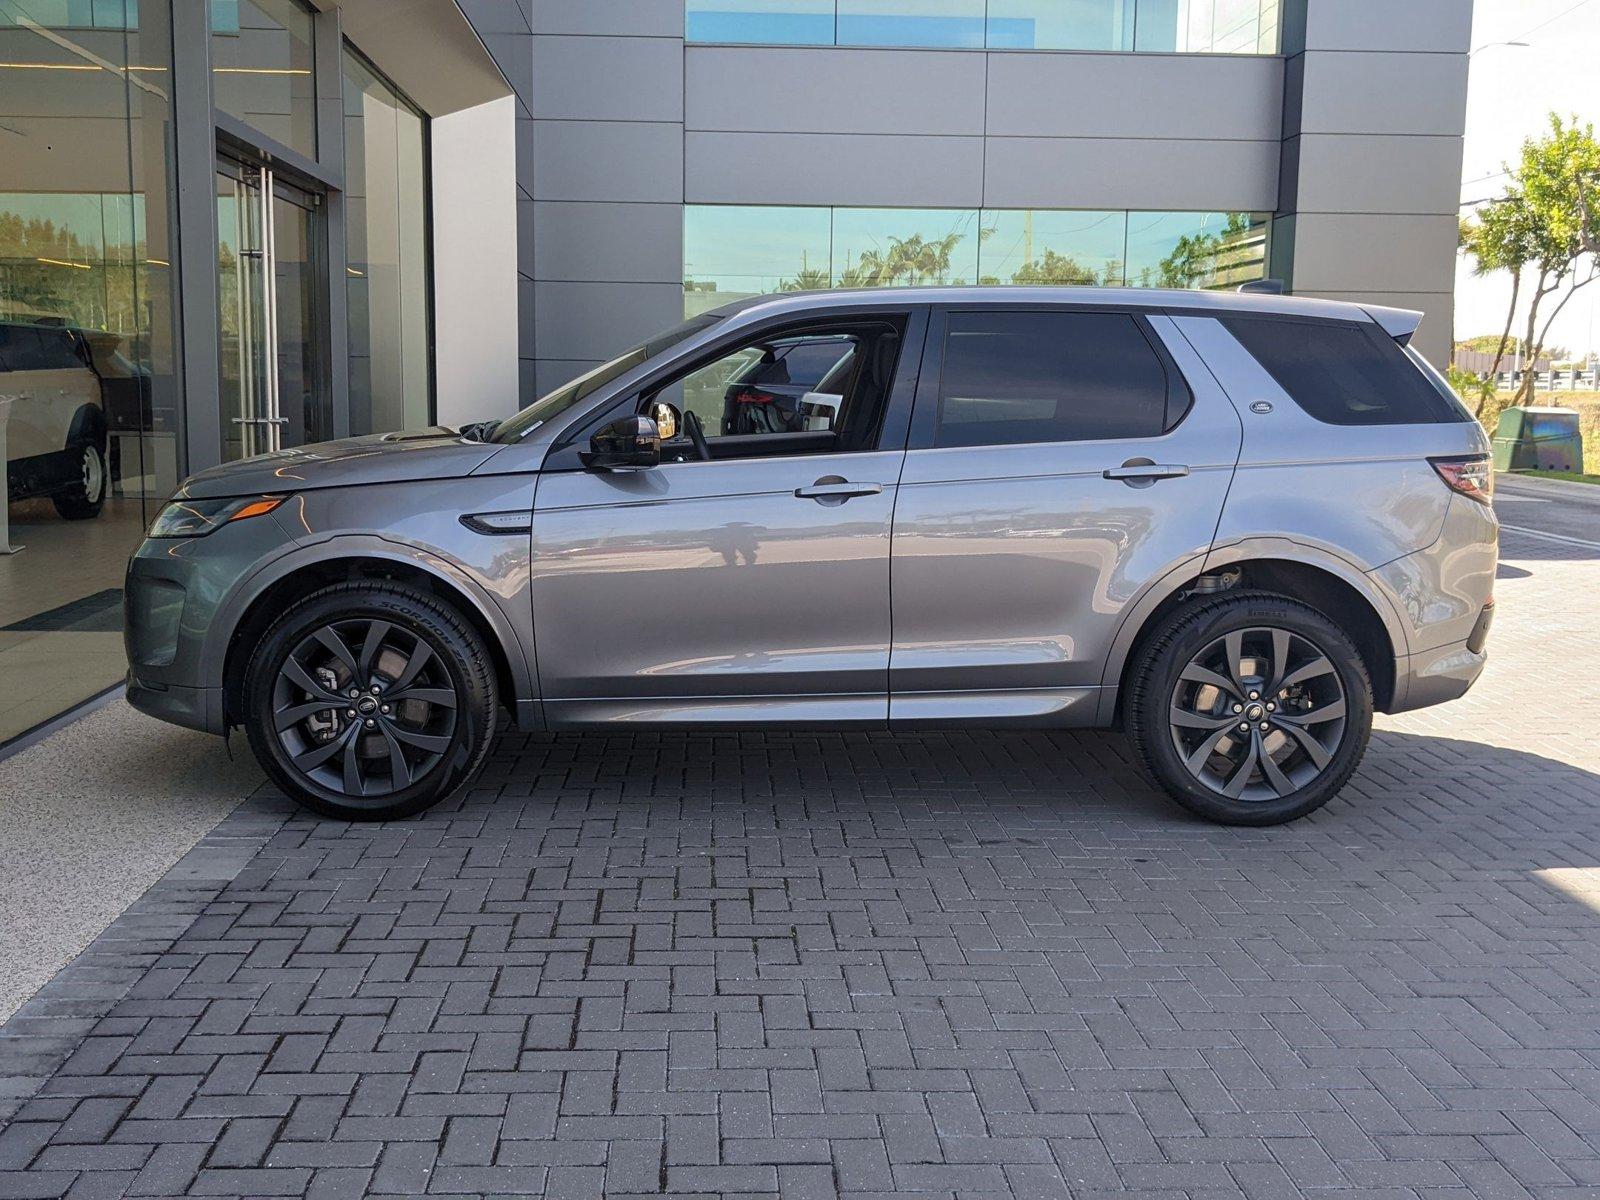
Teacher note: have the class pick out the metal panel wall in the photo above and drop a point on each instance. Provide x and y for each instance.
(1353, 139)
(1374, 110)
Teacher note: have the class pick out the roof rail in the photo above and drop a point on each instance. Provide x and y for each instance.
(1262, 287)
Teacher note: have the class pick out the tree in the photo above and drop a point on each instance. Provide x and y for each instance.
(1546, 228)
(1054, 268)
(1501, 239)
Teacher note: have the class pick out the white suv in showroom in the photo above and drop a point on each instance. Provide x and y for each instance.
(55, 432)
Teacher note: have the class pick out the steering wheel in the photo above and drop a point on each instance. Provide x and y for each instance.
(697, 434)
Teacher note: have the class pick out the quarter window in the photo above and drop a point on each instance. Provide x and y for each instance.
(1012, 378)
(1342, 372)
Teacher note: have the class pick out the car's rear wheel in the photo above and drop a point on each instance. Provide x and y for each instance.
(371, 700)
(86, 495)
(1251, 709)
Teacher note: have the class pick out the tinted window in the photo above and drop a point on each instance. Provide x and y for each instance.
(1343, 373)
(23, 349)
(1012, 378)
(59, 350)
(803, 363)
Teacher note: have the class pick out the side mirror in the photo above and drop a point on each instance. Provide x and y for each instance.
(627, 444)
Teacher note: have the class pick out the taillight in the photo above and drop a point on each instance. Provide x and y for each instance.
(1470, 475)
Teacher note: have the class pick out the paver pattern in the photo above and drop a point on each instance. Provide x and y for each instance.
(953, 965)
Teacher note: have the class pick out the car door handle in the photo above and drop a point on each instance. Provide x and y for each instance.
(1146, 472)
(837, 490)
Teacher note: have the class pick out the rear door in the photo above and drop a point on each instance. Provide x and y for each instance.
(1062, 460)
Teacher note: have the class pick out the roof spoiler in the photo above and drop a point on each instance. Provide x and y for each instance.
(1398, 323)
(1262, 287)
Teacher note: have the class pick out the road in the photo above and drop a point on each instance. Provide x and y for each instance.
(1551, 507)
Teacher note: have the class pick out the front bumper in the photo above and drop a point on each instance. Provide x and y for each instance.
(174, 595)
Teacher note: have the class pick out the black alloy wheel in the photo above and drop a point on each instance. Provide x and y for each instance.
(1258, 714)
(370, 700)
(364, 707)
(1249, 708)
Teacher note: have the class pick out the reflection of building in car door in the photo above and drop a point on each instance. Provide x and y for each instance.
(55, 437)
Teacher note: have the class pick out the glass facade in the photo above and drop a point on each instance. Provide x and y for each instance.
(89, 402)
(386, 253)
(263, 67)
(731, 251)
(97, 426)
(1171, 26)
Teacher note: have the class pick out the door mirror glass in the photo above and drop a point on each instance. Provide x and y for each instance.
(669, 421)
(627, 444)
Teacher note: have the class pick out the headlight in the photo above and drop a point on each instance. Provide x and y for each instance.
(196, 518)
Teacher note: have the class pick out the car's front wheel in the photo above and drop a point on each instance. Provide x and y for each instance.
(86, 495)
(372, 700)
(1250, 709)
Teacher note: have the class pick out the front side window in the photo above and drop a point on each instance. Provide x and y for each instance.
(1343, 373)
(1015, 378)
(806, 392)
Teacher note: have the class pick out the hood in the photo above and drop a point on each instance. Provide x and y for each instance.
(436, 453)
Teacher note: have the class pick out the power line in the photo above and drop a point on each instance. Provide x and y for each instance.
(1551, 21)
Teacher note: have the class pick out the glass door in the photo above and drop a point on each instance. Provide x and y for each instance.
(269, 276)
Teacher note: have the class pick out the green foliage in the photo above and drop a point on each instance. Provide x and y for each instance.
(1547, 227)
(1056, 268)
(1202, 259)
(907, 262)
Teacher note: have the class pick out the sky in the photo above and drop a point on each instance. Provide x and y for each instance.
(1511, 94)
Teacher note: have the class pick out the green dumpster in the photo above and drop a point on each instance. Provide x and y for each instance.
(1538, 439)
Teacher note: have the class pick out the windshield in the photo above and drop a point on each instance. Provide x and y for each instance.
(564, 397)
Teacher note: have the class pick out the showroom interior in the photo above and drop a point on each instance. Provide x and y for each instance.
(216, 240)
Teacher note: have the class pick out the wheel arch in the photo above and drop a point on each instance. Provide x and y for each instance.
(271, 591)
(88, 422)
(1336, 588)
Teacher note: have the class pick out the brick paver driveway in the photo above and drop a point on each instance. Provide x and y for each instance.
(952, 965)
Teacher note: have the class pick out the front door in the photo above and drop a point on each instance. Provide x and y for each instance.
(1060, 463)
(269, 271)
(747, 577)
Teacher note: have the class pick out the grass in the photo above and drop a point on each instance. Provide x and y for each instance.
(1587, 405)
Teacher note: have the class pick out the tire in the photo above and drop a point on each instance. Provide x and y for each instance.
(1299, 684)
(438, 714)
(87, 495)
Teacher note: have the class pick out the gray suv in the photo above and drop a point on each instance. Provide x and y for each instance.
(1232, 525)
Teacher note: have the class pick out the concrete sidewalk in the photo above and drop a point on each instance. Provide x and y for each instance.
(89, 819)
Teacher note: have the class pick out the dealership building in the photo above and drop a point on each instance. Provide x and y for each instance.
(233, 226)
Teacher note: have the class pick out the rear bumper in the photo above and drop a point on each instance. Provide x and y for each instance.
(1438, 676)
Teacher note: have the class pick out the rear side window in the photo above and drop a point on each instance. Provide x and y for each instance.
(23, 349)
(1011, 378)
(1343, 373)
